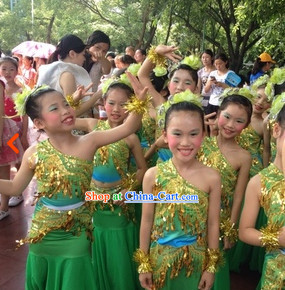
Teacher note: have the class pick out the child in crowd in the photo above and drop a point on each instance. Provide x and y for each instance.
(8, 129)
(266, 190)
(59, 255)
(9, 71)
(179, 241)
(224, 154)
(115, 231)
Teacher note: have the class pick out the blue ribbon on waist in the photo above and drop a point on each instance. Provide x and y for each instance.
(177, 242)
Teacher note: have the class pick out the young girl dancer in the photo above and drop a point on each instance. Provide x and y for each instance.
(115, 231)
(59, 256)
(251, 139)
(183, 77)
(179, 241)
(224, 154)
(8, 128)
(266, 190)
(9, 71)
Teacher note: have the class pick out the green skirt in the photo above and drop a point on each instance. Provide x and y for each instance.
(61, 261)
(181, 281)
(222, 277)
(115, 240)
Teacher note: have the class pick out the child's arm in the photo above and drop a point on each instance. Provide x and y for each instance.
(146, 224)
(213, 223)
(24, 139)
(266, 142)
(144, 77)
(148, 66)
(242, 180)
(135, 146)
(85, 124)
(22, 178)
(247, 231)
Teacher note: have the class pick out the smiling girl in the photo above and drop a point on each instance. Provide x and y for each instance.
(233, 162)
(59, 253)
(179, 241)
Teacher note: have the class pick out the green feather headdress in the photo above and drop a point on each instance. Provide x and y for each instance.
(186, 96)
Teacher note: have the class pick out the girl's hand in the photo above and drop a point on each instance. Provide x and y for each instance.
(82, 92)
(282, 237)
(160, 143)
(207, 281)
(121, 202)
(227, 244)
(96, 55)
(139, 89)
(168, 51)
(146, 280)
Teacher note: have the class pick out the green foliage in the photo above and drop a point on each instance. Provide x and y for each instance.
(241, 28)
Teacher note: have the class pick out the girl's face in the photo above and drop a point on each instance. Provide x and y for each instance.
(56, 114)
(180, 82)
(232, 120)
(206, 59)
(184, 134)
(27, 62)
(261, 103)
(220, 65)
(114, 106)
(8, 70)
(79, 58)
(98, 50)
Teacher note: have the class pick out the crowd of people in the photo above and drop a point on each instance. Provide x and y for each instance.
(154, 123)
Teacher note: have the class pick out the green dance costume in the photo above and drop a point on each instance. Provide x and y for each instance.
(211, 156)
(146, 136)
(115, 232)
(179, 233)
(273, 201)
(243, 253)
(253, 143)
(59, 255)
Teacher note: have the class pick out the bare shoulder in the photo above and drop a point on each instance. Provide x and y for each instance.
(244, 156)
(150, 175)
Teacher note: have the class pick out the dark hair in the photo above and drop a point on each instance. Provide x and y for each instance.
(127, 59)
(192, 72)
(142, 51)
(9, 59)
(117, 85)
(281, 117)
(158, 82)
(240, 101)
(98, 36)
(66, 44)
(279, 89)
(210, 53)
(222, 56)
(258, 65)
(33, 108)
(186, 107)
(111, 53)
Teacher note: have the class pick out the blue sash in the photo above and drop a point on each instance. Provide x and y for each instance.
(172, 239)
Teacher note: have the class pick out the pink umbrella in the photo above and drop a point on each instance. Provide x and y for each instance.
(44, 50)
(34, 49)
